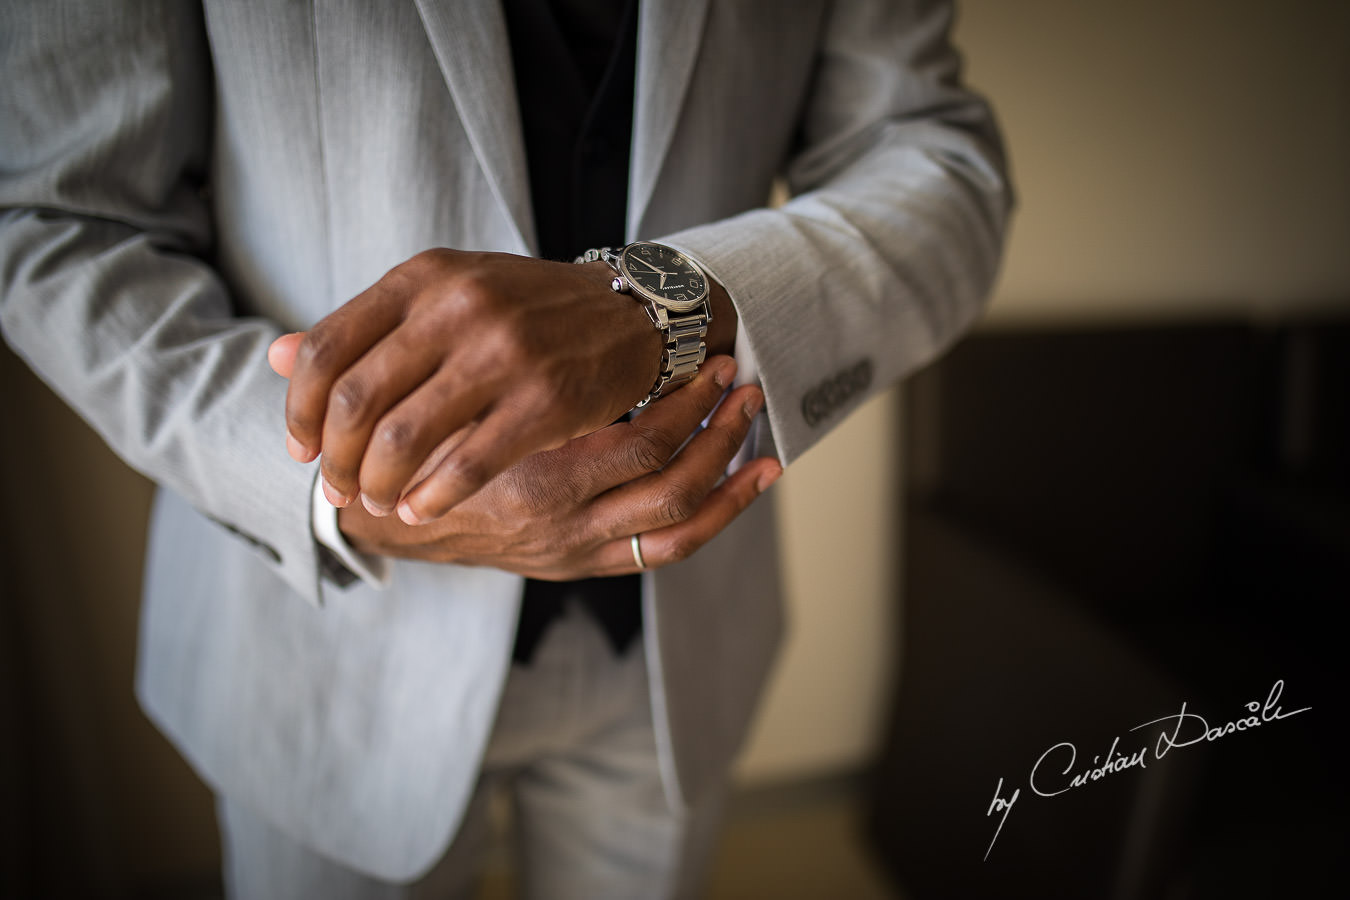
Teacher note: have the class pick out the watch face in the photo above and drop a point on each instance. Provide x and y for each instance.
(664, 275)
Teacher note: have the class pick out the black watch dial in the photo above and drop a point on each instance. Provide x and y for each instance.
(663, 274)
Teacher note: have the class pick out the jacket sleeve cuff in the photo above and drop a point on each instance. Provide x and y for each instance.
(761, 442)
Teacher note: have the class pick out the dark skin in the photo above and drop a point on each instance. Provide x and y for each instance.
(569, 512)
(478, 359)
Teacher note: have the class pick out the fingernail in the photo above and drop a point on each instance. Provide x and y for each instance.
(753, 405)
(767, 479)
(407, 515)
(331, 494)
(724, 373)
(374, 508)
(298, 451)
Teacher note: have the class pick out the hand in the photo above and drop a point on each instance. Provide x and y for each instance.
(570, 513)
(484, 358)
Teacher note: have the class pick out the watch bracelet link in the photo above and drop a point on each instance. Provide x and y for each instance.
(683, 353)
(685, 336)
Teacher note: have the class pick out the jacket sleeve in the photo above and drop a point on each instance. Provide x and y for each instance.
(105, 285)
(890, 242)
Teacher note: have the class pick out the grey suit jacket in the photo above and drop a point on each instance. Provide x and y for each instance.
(180, 185)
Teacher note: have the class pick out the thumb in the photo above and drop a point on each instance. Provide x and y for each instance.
(281, 355)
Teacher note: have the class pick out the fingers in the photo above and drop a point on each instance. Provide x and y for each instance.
(680, 508)
(522, 523)
(385, 415)
(325, 352)
(590, 465)
(281, 353)
(674, 494)
(626, 451)
(281, 357)
(676, 543)
(492, 446)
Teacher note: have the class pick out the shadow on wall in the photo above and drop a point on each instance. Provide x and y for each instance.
(1104, 529)
(93, 801)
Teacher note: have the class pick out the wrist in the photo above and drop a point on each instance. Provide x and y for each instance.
(679, 299)
(643, 343)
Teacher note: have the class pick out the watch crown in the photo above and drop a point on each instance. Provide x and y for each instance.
(617, 285)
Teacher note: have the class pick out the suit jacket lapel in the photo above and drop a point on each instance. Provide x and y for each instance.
(473, 50)
(669, 36)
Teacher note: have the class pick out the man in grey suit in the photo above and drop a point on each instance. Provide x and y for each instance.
(181, 186)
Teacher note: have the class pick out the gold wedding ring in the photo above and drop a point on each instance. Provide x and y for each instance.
(637, 552)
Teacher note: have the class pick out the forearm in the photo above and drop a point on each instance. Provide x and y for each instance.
(891, 243)
(104, 289)
(141, 344)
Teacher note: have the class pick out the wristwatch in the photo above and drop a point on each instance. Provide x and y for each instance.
(674, 291)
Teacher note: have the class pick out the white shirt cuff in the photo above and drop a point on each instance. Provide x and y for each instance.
(323, 517)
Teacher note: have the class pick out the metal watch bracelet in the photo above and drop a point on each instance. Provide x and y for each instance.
(684, 335)
(684, 351)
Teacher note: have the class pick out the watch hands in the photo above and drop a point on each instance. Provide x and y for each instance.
(648, 265)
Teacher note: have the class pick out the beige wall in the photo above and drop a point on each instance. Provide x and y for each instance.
(840, 527)
(1176, 158)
